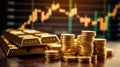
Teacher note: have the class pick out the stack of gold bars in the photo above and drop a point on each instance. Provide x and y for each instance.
(26, 42)
(84, 49)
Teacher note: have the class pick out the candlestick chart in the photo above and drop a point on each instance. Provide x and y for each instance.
(85, 20)
(54, 16)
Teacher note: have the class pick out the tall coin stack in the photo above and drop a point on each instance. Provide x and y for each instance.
(87, 38)
(75, 48)
(100, 48)
(67, 41)
(79, 45)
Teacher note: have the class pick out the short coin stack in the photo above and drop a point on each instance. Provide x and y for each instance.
(100, 48)
(84, 59)
(86, 43)
(52, 55)
(69, 58)
(67, 42)
(110, 52)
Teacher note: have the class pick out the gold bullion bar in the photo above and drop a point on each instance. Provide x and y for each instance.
(38, 49)
(54, 46)
(11, 49)
(46, 39)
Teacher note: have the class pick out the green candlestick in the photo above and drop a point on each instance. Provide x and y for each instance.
(95, 19)
(70, 18)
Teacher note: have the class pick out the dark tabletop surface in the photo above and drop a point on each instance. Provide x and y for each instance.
(39, 60)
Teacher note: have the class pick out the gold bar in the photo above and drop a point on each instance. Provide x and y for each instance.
(38, 50)
(10, 49)
(21, 38)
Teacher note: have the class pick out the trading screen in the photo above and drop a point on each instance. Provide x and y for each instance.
(66, 16)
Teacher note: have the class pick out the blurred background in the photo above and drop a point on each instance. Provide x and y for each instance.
(63, 16)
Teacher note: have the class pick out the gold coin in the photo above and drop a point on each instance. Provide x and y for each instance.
(69, 58)
(84, 59)
(110, 52)
(88, 33)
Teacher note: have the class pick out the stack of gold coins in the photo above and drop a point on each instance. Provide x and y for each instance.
(100, 48)
(79, 45)
(79, 49)
(86, 42)
(84, 59)
(78, 38)
(75, 49)
(94, 58)
(52, 55)
(69, 58)
(110, 52)
(67, 42)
